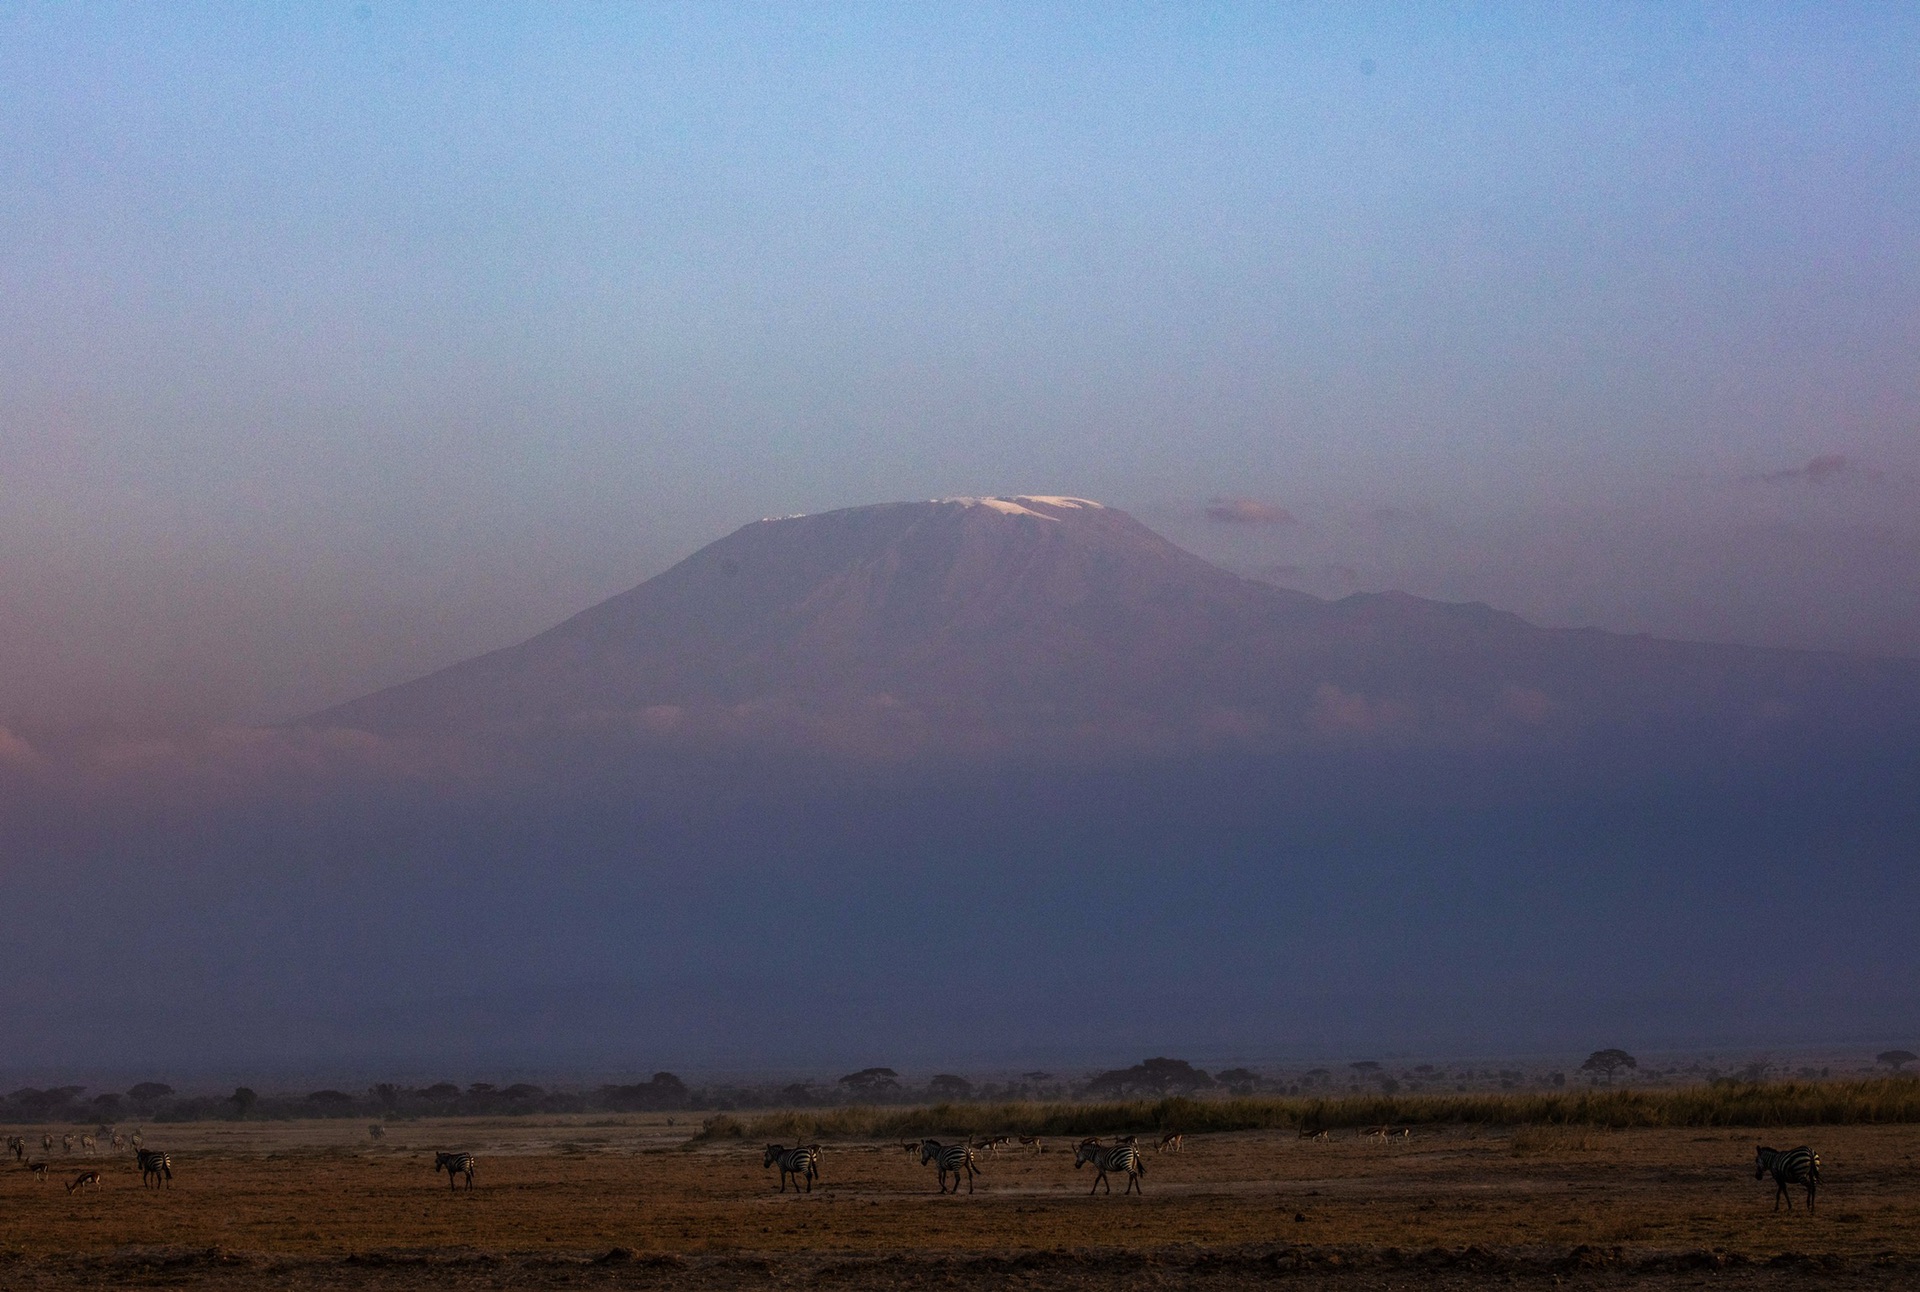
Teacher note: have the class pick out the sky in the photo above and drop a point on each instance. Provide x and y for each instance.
(339, 342)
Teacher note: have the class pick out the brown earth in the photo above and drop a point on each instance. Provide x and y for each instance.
(623, 1202)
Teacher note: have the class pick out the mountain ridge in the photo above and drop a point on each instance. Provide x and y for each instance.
(994, 622)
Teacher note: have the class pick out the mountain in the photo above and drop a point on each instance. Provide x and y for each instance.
(1056, 623)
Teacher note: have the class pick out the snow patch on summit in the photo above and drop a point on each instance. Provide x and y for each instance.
(1016, 506)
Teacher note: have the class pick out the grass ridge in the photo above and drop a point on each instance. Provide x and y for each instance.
(1723, 1103)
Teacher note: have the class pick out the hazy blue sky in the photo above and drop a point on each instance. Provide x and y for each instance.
(338, 341)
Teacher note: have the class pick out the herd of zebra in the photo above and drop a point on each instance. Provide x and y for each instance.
(1788, 1167)
(962, 1160)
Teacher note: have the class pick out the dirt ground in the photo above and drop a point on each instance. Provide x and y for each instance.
(622, 1202)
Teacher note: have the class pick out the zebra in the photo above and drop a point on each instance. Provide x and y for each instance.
(377, 1131)
(155, 1166)
(83, 1179)
(454, 1164)
(87, 1145)
(1170, 1143)
(802, 1163)
(46, 1142)
(136, 1139)
(118, 1140)
(66, 1142)
(17, 1147)
(949, 1158)
(1121, 1157)
(1794, 1166)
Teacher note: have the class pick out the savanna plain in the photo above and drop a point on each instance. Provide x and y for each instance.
(646, 1201)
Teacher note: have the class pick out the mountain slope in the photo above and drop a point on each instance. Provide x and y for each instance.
(992, 623)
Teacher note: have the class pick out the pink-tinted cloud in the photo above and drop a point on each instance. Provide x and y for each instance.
(1248, 511)
(15, 751)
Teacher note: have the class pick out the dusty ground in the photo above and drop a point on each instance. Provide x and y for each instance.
(619, 1202)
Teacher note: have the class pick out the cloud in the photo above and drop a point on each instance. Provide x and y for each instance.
(15, 751)
(1817, 470)
(1247, 511)
(1338, 712)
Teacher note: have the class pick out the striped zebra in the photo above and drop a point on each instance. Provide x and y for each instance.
(376, 1131)
(1794, 1166)
(66, 1143)
(84, 1179)
(454, 1164)
(46, 1142)
(119, 1140)
(1121, 1157)
(155, 1166)
(17, 1147)
(1171, 1143)
(87, 1145)
(950, 1159)
(802, 1163)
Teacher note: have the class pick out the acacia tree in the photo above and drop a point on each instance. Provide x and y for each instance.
(1152, 1076)
(1897, 1059)
(948, 1086)
(1609, 1062)
(871, 1081)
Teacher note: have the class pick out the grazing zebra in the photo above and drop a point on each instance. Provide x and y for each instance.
(1031, 1142)
(46, 1142)
(1794, 1166)
(66, 1142)
(1121, 1157)
(1171, 1143)
(949, 1159)
(39, 1170)
(377, 1131)
(155, 1166)
(454, 1164)
(118, 1140)
(802, 1163)
(17, 1147)
(83, 1179)
(87, 1145)
(137, 1139)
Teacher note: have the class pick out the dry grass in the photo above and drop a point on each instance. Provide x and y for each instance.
(1891, 1100)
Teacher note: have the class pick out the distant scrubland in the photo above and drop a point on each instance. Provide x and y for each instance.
(1722, 1103)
